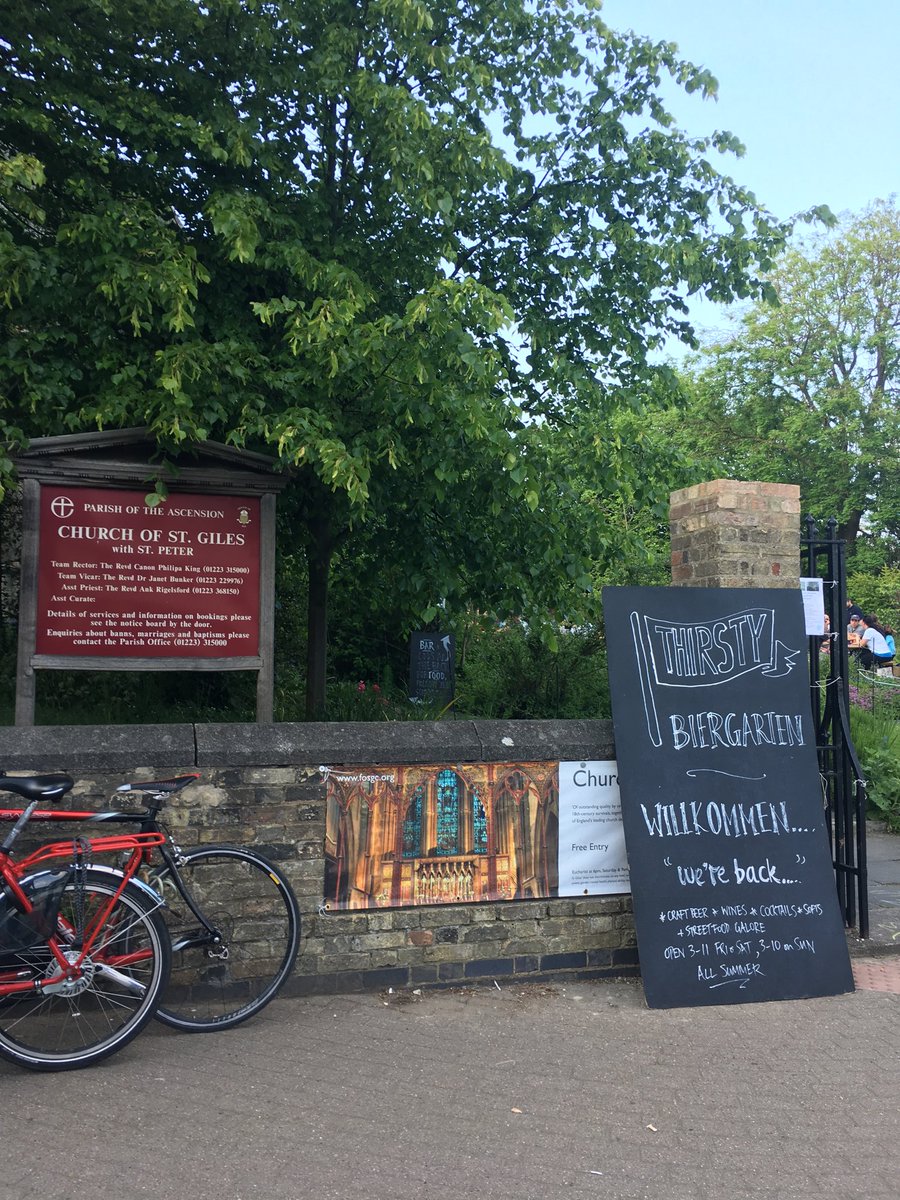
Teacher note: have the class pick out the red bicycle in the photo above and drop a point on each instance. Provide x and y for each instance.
(232, 918)
(84, 951)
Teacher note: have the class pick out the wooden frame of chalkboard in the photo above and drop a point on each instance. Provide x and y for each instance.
(731, 876)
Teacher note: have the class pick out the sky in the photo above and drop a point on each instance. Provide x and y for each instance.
(811, 87)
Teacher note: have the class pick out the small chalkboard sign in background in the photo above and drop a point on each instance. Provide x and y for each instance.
(732, 884)
(432, 661)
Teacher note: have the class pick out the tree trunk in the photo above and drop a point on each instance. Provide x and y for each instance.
(319, 552)
(849, 530)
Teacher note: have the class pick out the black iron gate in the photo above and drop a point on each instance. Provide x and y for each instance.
(822, 556)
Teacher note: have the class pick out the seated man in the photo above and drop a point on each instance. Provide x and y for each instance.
(875, 651)
(853, 610)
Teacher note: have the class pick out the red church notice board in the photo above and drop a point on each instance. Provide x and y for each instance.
(117, 578)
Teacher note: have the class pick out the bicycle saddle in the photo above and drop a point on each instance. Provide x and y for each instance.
(36, 787)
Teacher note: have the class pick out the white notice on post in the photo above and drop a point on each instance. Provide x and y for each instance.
(813, 606)
(592, 859)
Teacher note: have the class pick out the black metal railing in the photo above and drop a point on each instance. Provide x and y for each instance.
(843, 784)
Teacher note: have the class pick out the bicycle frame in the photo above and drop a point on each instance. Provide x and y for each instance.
(71, 952)
(140, 846)
(230, 931)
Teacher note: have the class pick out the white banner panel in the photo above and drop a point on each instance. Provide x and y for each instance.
(592, 859)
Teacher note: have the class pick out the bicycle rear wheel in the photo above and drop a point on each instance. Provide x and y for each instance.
(114, 997)
(217, 984)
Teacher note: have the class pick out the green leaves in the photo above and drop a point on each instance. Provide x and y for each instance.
(418, 251)
(136, 263)
(21, 176)
(806, 390)
(236, 219)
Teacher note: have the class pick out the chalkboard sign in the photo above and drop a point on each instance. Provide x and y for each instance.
(732, 884)
(432, 658)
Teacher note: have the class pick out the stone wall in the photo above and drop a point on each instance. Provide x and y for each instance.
(260, 784)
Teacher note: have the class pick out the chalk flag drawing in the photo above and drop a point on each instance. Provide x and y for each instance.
(690, 654)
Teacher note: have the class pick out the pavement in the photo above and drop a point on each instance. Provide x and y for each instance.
(505, 1092)
(883, 854)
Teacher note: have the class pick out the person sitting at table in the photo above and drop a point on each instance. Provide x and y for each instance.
(875, 651)
(854, 631)
(825, 644)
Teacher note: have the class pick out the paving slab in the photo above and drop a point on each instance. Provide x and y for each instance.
(504, 1093)
(881, 974)
(883, 865)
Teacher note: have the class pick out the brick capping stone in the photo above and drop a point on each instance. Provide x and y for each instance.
(733, 533)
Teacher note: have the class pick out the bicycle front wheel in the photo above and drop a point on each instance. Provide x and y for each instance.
(67, 1024)
(218, 982)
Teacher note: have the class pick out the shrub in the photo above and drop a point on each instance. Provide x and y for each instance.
(882, 772)
(509, 672)
(876, 738)
(879, 594)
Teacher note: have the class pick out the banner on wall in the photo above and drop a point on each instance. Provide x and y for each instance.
(591, 852)
(449, 834)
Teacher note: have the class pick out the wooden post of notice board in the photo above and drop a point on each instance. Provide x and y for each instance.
(112, 583)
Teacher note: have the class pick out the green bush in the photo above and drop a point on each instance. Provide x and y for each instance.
(879, 594)
(366, 701)
(509, 672)
(876, 739)
(503, 672)
(882, 772)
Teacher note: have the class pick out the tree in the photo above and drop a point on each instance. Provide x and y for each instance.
(421, 252)
(807, 392)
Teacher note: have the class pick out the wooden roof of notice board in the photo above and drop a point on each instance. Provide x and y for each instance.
(123, 457)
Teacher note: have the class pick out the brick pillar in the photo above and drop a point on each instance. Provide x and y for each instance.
(729, 533)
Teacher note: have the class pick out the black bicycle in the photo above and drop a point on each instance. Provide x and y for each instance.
(231, 914)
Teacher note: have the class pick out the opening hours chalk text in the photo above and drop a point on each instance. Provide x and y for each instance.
(117, 578)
